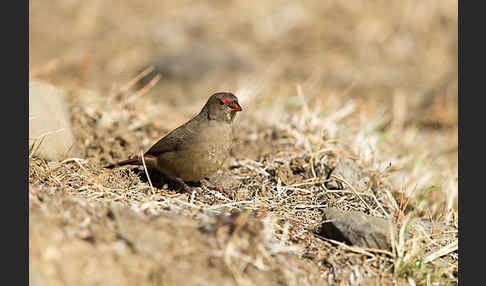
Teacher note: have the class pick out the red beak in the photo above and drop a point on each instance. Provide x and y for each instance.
(235, 106)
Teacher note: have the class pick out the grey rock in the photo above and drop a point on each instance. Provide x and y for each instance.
(35, 278)
(357, 229)
(419, 227)
(49, 119)
(349, 170)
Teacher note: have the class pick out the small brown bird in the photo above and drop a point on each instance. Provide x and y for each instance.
(199, 147)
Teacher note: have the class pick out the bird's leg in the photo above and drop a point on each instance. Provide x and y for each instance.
(185, 187)
(219, 187)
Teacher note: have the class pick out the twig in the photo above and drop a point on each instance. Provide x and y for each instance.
(146, 172)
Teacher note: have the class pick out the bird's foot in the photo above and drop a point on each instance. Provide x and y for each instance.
(184, 186)
(219, 187)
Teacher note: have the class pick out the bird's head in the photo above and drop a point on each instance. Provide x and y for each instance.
(222, 106)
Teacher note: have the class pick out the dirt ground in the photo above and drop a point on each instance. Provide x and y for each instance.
(318, 81)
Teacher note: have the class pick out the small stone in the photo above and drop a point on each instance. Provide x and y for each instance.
(35, 278)
(357, 228)
(49, 118)
(348, 169)
(226, 181)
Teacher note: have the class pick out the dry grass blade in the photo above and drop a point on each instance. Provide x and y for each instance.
(230, 205)
(54, 168)
(341, 179)
(410, 281)
(361, 250)
(133, 81)
(146, 171)
(78, 161)
(310, 206)
(48, 133)
(451, 247)
(403, 207)
(140, 92)
(34, 147)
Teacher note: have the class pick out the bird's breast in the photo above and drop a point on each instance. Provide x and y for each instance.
(201, 156)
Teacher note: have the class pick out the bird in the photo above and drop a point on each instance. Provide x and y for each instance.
(196, 149)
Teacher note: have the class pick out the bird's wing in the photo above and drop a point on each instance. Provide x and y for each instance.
(176, 140)
(164, 145)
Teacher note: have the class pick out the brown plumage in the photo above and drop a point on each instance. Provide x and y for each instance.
(198, 148)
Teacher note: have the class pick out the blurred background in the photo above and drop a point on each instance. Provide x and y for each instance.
(381, 48)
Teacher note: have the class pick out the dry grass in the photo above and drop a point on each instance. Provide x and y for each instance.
(365, 81)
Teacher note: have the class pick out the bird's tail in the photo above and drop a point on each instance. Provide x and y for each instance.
(134, 161)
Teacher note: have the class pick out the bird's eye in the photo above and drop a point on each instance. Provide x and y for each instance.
(221, 102)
